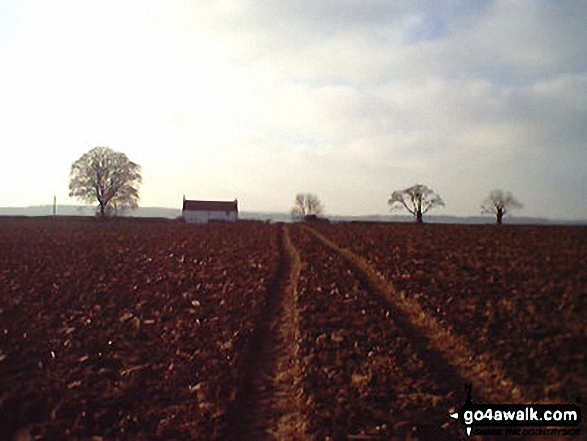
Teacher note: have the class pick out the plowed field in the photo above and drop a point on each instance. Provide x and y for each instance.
(157, 330)
(126, 330)
(517, 293)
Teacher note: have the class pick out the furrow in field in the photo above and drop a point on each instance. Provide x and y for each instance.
(367, 372)
(267, 406)
(513, 292)
(487, 376)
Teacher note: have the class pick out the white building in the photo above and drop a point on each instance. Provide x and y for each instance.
(202, 212)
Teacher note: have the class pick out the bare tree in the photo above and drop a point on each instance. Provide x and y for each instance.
(499, 204)
(107, 177)
(418, 200)
(306, 204)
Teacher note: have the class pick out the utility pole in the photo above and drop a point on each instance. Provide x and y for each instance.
(54, 205)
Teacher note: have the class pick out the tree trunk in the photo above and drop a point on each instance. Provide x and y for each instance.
(499, 216)
(419, 216)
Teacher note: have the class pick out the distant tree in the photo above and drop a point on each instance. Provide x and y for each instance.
(107, 177)
(306, 204)
(418, 200)
(499, 204)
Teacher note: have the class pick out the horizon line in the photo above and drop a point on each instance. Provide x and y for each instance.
(391, 215)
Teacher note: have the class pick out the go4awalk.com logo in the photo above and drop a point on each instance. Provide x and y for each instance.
(516, 419)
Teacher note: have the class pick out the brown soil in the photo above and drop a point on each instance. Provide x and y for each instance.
(489, 378)
(130, 330)
(368, 373)
(512, 294)
(153, 330)
(267, 406)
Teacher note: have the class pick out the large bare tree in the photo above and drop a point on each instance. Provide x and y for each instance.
(108, 177)
(418, 200)
(306, 204)
(499, 204)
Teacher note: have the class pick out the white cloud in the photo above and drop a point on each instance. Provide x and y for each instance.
(263, 99)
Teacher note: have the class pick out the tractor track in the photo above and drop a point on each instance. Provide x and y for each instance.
(267, 406)
(448, 358)
(371, 374)
(488, 377)
(271, 403)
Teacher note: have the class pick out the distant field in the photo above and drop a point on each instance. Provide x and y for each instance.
(160, 330)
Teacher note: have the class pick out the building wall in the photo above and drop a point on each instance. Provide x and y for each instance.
(203, 217)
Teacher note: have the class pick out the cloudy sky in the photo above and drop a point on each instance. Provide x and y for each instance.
(259, 100)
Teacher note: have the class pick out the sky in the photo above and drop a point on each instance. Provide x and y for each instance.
(260, 100)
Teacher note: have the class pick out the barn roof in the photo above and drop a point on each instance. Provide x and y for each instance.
(210, 205)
